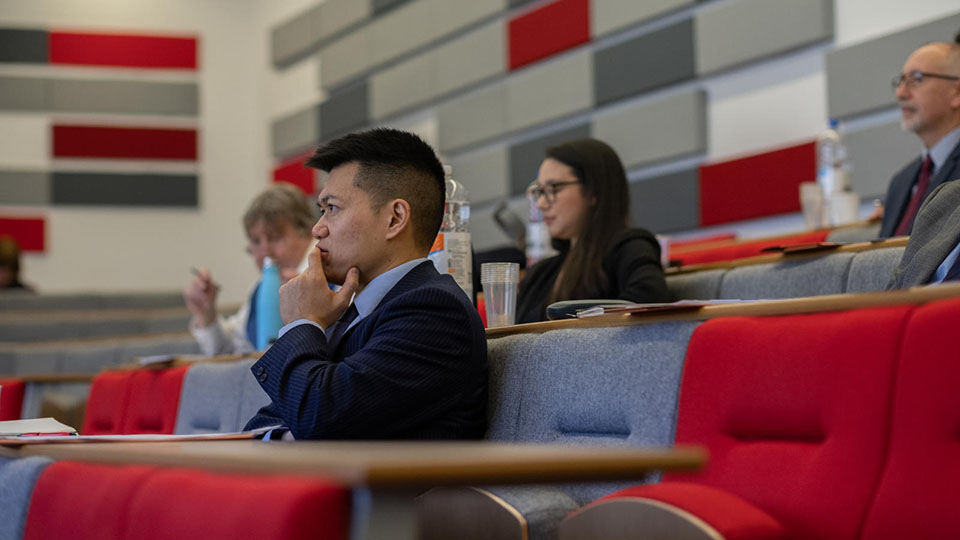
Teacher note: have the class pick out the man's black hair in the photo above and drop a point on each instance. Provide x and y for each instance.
(393, 164)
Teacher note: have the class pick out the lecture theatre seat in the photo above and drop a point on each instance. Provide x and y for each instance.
(17, 479)
(11, 398)
(746, 248)
(794, 411)
(133, 401)
(81, 501)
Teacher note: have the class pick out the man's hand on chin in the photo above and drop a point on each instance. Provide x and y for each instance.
(308, 295)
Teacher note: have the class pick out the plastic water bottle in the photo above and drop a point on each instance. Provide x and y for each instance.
(268, 305)
(451, 250)
(832, 169)
(538, 236)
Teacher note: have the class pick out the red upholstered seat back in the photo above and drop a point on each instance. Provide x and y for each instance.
(795, 412)
(11, 398)
(107, 403)
(745, 249)
(83, 501)
(920, 488)
(154, 399)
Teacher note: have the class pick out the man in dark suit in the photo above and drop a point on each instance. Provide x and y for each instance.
(928, 91)
(407, 357)
(932, 252)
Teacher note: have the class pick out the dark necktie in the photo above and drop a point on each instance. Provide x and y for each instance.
(923, 182)
(954, 273)
(341, 326)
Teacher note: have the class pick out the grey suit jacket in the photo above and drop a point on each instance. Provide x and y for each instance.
(899, 193)
(935, 233)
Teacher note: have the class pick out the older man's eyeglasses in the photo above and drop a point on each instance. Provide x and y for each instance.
(915, 78)
(548, 190)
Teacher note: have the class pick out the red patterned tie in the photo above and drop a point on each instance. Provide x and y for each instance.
(923, 182)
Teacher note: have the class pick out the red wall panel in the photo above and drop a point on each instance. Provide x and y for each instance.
(755, 186)
(28, 232)
(553, 28)
(161, 52)
(124, 142)
(295, 172)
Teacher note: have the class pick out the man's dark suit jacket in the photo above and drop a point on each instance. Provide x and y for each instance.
(414, 368)
(899, 192)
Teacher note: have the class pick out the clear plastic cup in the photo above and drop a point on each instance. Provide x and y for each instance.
(499, 282)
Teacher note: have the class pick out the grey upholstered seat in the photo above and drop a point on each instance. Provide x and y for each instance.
(17, 479)
(210, 398)
(871, 270)
(788, 279)
(702, 285)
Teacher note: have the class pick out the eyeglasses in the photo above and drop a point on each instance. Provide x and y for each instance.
(914, 78)
(548, 190)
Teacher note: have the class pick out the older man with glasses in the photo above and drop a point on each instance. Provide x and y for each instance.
(928, 92)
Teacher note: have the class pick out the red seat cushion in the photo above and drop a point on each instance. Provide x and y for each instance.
(11, 398)
(189, 504)
(82, 501)
(917, 497)
(750, 248)
(794, 411)
(107, 403)
(154, 400)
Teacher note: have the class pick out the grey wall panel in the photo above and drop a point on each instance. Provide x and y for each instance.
(550, 90)
(403, 85)
(477, 55)
(670, 127)
(345, 111)
(337, 15)
(666, 203)
(24, 94)
(24, 187)
(296, 131)
(484, 173)
(731, 33)
(131, 97)
(402, 30)
(473, 117)
(876, 154)
(451, 16)
(516, 3)
(609, 15)
(641, 63)
(23, 45)
(295, 36)
(345, 58)
(858, 77)
(382, 6)
(111, 189)
(525, 157)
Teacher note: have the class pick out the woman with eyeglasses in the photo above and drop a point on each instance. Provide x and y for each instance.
(581, 189)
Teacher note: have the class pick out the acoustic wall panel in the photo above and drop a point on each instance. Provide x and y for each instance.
(337, 15)
(75, 141)
(123, 50)
(114, 189)
(471, 58)
(526, 157)
(666, 128)
(24, 187)
(345, 58)
(345, 111)
(547, 30)
(639, 64)
(473, 117)
(21, 45)
(732, 33)
(29, 232)
(549, 91)
(296, 36)
(858, 77)
(484, 173)
(293, 171)
(382, 6)
(877, 153)
(296, 131)
(402, 30)
(756, 186)
(609, 15)
(132, 97)
(406, 84)
(24, 94)
(666, 203)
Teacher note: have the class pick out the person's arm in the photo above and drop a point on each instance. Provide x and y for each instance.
(638, 273)
(420, 359)
(224, 335)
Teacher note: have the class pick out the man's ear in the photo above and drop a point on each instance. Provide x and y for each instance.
(399, 217)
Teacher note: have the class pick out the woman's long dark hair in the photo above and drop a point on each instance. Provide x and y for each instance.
(604, 181)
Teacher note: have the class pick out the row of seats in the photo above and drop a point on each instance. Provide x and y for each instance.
(811, 422)
(24, 327)
(84, 301)
(42, 500)
(833, 273)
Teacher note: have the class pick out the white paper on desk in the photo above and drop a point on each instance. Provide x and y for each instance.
(15, 428)
(141, 437)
